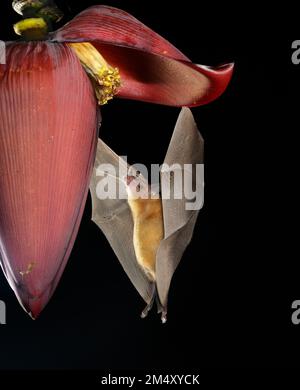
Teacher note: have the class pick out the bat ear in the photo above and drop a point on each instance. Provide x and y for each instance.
(182, 181)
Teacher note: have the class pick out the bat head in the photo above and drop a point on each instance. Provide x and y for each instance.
(136, 187)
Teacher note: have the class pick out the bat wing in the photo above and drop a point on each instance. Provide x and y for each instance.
(113, 216)
(184, 158)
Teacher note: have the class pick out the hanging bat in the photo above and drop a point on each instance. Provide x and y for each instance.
(149, 229)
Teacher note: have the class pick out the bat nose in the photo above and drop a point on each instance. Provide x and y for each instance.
(129, 179)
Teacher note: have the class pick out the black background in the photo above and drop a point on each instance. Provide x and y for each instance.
(230, 300)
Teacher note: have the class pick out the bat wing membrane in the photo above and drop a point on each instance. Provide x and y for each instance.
(185, 151)
(113, 217)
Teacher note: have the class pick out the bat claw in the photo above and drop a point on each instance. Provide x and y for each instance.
(164, 317)
(147, 309)
(144, 313)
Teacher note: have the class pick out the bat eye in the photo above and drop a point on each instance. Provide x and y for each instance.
(138, 173)
(138, 188)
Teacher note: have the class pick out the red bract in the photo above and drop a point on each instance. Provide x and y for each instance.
(47, 151)
(151, 68)
(48, 134)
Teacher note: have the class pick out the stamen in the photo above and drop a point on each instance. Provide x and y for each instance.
(105, 78)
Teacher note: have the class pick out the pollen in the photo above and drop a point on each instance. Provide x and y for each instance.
(105, 78)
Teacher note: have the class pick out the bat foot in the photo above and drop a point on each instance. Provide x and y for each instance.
(146, 310)
(160, 308)
(150, 304)
(164, 317)
(144, 313)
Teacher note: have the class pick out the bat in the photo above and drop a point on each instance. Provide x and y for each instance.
(148, 229)
(150, 226)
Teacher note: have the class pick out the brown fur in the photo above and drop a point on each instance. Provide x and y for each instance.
(148, 232)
